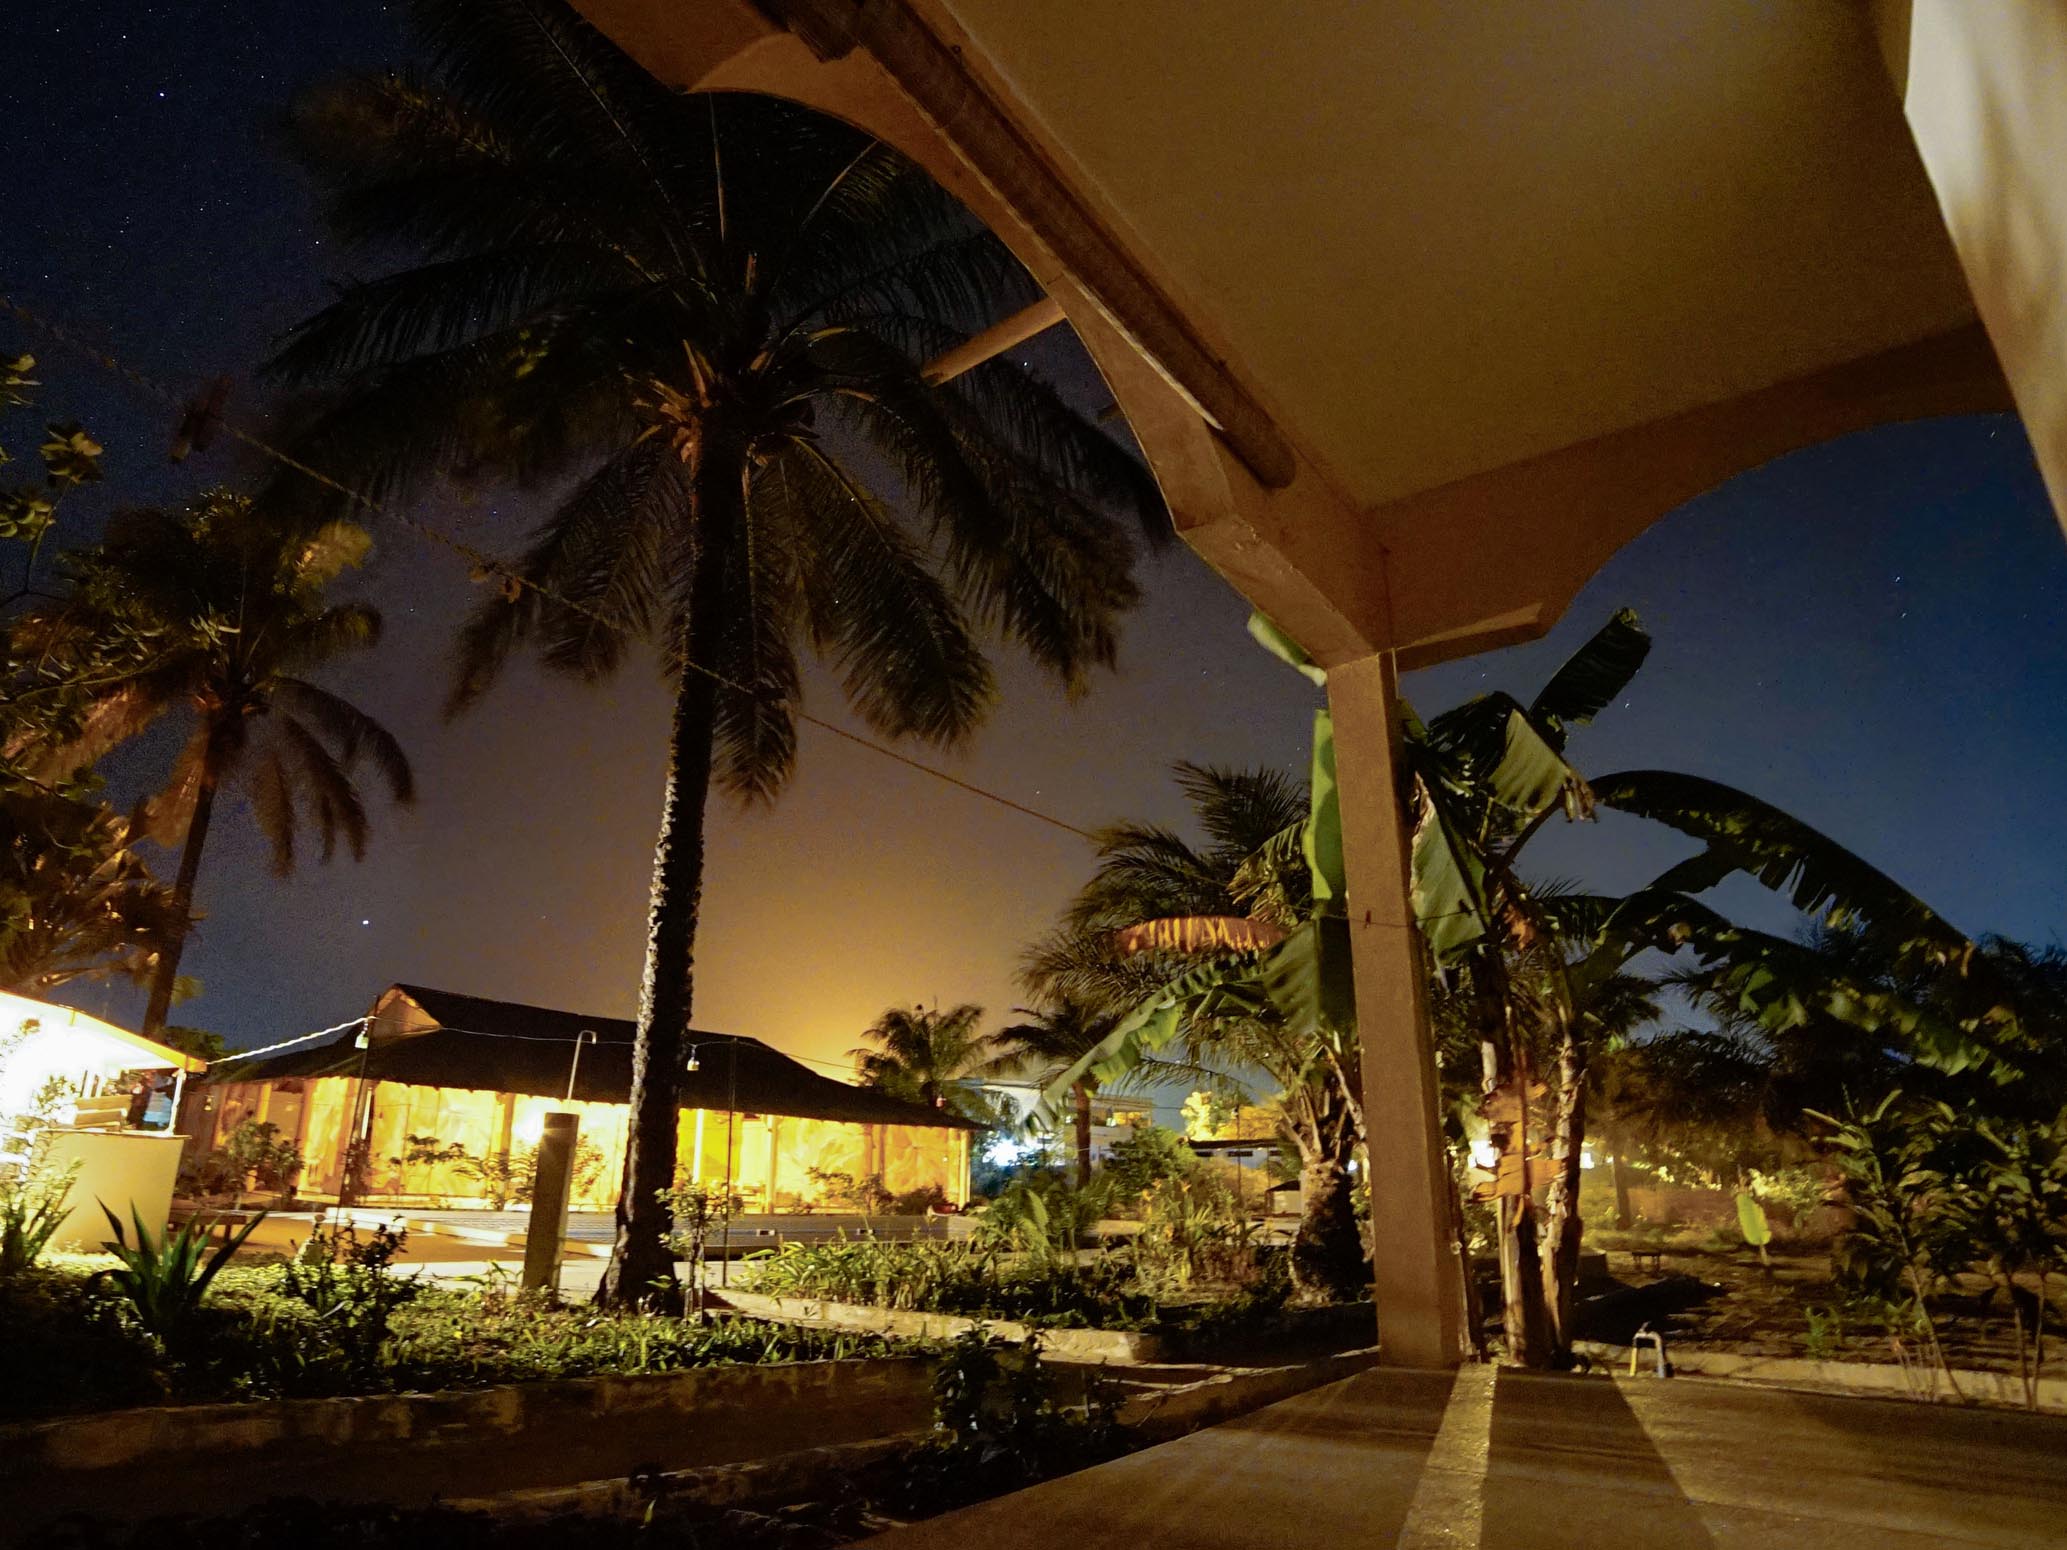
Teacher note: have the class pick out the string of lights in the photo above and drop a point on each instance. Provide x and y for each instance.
(267, 1049)
(484, 564)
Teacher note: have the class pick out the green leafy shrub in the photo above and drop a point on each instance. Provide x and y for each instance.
(31, 1211)
(1191, 1230)
(352, 1285)
(1150, 1156)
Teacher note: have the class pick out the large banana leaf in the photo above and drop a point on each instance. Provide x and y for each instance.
(1592, 676)
(1780, 984)
(1819, 876)
(1322, 838)
(1287, 650)
(1449, 881)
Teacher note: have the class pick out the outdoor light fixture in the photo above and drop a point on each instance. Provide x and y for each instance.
(1484, 1155)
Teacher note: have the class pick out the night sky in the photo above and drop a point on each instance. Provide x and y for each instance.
(1869, 634)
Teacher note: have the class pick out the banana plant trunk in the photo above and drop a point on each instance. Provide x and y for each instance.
(1525, 1320)
(165, 973)
(641, 1271)
(1081, 1095)
(1566, 1226)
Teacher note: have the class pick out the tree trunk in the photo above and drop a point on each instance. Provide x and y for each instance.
(1566, 1226)
(1081, 1092)
(1625, 1214)
(1525, 1322)
(641, 1271)
(166, 971)
(1328, 1263)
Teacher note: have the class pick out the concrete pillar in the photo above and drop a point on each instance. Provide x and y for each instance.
(1418, 1290)
(1982, 86)
(774, 1158)
(550, 1189)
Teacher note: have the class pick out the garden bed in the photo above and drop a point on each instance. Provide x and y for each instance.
(412, 1449)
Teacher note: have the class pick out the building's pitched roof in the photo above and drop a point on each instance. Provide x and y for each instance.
(505, 1046)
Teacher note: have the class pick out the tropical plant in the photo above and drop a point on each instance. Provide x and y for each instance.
(708, 316)
(70, 458)
(928, 1058)
(32, 1208)
(1905, 1242)
(76, 901)
(1150, 936)
(352, 1285)
(256, 1157)
(698, 1210)
(1054, 1037)
(165, 1276)
(233, 607)
(2012, 1203)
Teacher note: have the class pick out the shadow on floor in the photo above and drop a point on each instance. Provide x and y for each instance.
(1584, 1431)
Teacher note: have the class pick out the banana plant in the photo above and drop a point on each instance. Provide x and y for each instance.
(1481, 781)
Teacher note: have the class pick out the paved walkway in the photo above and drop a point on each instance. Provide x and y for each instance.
(1492, 1460)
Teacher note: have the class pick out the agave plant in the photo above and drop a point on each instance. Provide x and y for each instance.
(165, 1277)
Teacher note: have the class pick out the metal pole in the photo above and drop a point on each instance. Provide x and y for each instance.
(731, 1118)
(574, 1069)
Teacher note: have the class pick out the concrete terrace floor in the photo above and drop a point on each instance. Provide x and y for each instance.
(1493, 1459)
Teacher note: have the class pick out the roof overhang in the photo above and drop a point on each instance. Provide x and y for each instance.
(1420, 311)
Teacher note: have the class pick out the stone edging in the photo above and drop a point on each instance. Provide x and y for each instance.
(1993, 1388)
(1069, 1345)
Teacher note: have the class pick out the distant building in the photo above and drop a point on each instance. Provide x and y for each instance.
(438, 1070)
(1113, 1118)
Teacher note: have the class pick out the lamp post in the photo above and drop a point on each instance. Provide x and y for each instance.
(586, 1036)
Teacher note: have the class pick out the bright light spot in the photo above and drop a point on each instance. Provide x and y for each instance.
(1484, 1154)
(1586, 1159)
(365, 922)
(1002, 1151)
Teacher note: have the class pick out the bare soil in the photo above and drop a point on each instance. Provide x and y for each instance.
(1708, 1294)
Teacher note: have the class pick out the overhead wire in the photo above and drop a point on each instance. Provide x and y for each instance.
(485, 564)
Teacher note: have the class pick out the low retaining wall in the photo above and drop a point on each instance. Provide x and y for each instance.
(1351, 1322)
(1158, 1416)
(1883, 1378)
(1067, 1345)
(418, 1448)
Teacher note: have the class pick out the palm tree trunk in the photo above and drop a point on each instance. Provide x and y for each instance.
(166, 971)
(642, 1262)
(1328, 1263)
(1082, 1094)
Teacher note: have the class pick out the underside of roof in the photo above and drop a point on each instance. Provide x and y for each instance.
(437, 1038)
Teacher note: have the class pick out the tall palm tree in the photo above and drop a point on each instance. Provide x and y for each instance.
(226, 612)
(925, 1057)
(705, 318)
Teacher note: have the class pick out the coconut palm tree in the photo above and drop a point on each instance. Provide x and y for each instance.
(225, 611)
(926, 1057)
(703, 320)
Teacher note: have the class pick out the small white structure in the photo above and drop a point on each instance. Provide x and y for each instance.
(102, 1098)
